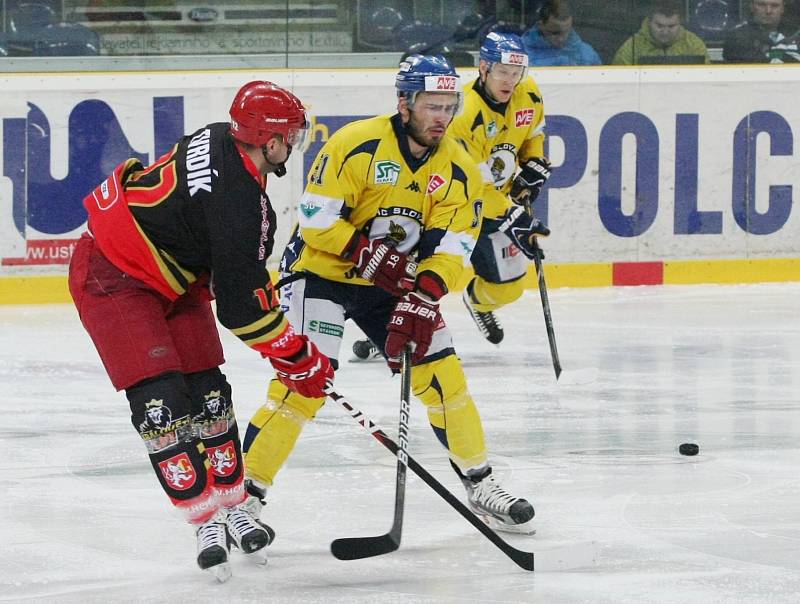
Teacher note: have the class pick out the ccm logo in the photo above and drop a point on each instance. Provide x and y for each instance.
(524, 117)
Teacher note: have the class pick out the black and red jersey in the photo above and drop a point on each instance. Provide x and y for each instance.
(199, 211)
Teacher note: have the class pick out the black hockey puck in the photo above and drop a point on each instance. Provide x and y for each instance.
(689, 449)
(361, 348)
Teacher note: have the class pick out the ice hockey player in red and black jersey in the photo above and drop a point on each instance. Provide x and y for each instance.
(162, 241)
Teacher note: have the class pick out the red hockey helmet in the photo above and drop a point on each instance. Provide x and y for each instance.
(262, 109)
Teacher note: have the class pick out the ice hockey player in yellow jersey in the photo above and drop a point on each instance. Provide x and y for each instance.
(387, 223)
(502, 127)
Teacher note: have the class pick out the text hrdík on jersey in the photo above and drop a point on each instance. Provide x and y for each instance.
(198, 160)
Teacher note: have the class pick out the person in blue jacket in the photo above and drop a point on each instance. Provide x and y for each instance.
(552, 41)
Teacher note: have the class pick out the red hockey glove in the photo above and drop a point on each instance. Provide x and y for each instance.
(378, 262)
(529, 182)
(306, 372)
(413, 321)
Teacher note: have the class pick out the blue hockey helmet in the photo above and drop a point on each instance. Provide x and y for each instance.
(505, 48)
(426, 73)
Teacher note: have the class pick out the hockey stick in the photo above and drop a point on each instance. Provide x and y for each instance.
(355, 548)
(521, 558)
(548, 317)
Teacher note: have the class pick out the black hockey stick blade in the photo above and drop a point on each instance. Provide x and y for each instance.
(521, 558)
(357, 548)
(548, 317)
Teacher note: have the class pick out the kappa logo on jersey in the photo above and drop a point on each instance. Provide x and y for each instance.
(222, 458)
(435, 182)
(386, 172)
(198, 160)
(178, 472)
(524, 117)
(414, 186)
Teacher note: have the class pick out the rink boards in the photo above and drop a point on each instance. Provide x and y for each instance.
(661, 175)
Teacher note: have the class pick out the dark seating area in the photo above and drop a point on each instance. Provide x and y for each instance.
(34, 29)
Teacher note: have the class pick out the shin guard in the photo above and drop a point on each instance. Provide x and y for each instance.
(274, 429)
(452, 413)
(160, 413)
(213, 420)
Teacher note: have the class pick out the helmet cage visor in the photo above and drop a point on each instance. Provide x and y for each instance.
(297, 136)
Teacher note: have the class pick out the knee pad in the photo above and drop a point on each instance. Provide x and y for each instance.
(213, 420)
(452, 413)
(491, 296)
(211, 405)
(160, 410)
(160, 413)
(274, 429)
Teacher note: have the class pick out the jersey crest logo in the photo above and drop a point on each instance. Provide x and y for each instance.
(435, 182)
(524, 117)
(178, 472)
(386, 172)
(396, 232)
(491, 129)
(222, 458)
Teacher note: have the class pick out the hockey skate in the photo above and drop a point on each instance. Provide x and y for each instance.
(499, 510)
(213, 547)
(250, 535)
(364, 350)
(487, 322)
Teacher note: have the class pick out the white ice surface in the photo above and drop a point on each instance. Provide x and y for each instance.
(83, 520)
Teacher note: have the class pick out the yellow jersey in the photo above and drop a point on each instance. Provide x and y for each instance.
(365, 179)
(500, 136)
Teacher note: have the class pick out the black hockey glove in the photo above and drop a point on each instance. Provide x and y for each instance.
(529, 182)
(522, 229)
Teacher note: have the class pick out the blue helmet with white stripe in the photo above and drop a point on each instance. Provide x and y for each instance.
(504, 48)
(426, 73)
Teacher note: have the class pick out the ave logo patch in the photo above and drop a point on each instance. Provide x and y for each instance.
(386, 172)
(435, 183)
(524, 117)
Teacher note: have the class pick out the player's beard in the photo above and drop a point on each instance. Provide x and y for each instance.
(416, 133)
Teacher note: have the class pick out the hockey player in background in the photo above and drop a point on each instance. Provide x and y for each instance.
(160, 240)
(502, 128)
(387, 223)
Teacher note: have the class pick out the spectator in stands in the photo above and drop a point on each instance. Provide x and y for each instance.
(764, 38)
(662, 39)
(552, 41)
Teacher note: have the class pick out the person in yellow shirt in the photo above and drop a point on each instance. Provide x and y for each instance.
(387, 223)
(502, 128)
